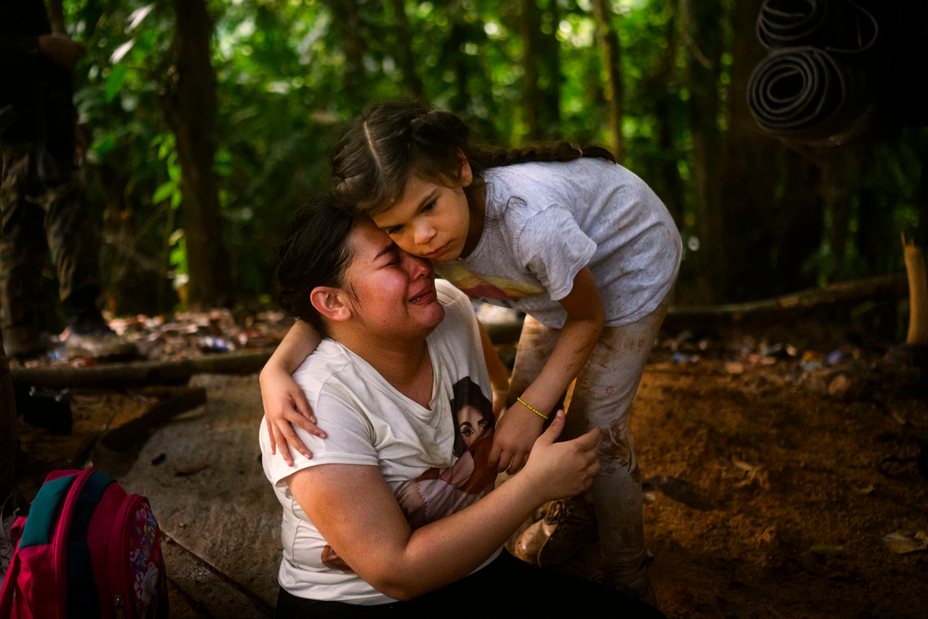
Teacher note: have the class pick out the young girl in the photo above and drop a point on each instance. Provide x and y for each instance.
(577, 242)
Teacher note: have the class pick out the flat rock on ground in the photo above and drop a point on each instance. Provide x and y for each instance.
(203, 476)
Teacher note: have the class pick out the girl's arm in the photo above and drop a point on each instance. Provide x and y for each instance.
(520, 426)
(357, 514)
(499, 375)
(285, 404)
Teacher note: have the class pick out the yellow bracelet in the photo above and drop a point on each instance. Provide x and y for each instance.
(531, 408)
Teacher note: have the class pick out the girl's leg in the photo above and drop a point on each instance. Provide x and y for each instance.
(602, 398)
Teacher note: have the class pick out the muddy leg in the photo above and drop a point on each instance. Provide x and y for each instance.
(602, 398)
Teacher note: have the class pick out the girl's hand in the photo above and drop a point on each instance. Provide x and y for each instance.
(285, 406)
(514, 437)
(563, 469)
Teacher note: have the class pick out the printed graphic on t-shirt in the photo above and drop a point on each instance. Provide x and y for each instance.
(492, 289)
(438, 493)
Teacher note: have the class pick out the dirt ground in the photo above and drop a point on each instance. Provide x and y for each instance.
(798, 505)
(786, 448)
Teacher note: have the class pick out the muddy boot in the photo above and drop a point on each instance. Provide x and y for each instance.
(89, 335)
(568, 525)
(636, 584)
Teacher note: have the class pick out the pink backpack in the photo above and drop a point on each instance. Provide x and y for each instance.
(86, 549)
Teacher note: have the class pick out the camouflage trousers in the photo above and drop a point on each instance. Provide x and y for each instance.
(39, 219)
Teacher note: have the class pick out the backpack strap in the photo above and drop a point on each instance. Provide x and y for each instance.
(44, 511)
(83, 600)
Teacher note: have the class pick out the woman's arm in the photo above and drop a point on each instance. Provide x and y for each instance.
(357, 514)
(520, 426)
(499, 375)
(285, 404)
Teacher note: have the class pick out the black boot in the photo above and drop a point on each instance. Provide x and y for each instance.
(89, 335)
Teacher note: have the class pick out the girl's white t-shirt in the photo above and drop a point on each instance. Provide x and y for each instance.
(370, 423)
(546, 221)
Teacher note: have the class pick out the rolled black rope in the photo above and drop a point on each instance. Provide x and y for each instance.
(839, 26)
(810, 96)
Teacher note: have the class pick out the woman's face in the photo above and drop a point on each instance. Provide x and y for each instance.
(393, 293)
(472, 424)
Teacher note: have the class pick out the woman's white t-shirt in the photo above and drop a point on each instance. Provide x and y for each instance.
(369, 423)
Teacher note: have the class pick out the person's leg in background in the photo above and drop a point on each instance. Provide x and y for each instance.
(22, 254)
(72, 242)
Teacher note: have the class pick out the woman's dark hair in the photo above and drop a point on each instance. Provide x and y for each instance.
(315, 253)
(379, 150)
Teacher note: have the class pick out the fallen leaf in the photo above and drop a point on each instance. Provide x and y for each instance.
(744, 466)
(734, 367)
(839, 386)
(903, 542)
(196, 468)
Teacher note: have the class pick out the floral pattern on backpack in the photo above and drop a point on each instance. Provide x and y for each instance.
(144, 559)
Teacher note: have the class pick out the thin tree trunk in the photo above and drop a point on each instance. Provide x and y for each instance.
(454, 53)
(667, 181)
(528, 23)
(190, 108)
(407, 58)
(749, 172)
(837, 196)
(551, 73)
(801, 234)
(56, 17)
(701, 31)
(348, 23)
(609, 45)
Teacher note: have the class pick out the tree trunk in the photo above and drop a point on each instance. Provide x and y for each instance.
(455, 56)
(658, 86)
(749, 172)
(190, 107)
(56, 17)
(348, 23)
(529, 27)
(551, 74)
(800, 234)
(703, 37)
(407, 58)
(836, 194)
(609, 45)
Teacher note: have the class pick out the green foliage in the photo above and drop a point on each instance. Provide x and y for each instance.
(283, 72)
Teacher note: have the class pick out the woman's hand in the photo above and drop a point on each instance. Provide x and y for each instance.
(285, 406)
(564, 469)
(514, 437)
(358, 515)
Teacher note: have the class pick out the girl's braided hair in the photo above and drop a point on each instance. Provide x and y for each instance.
(379, 150)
